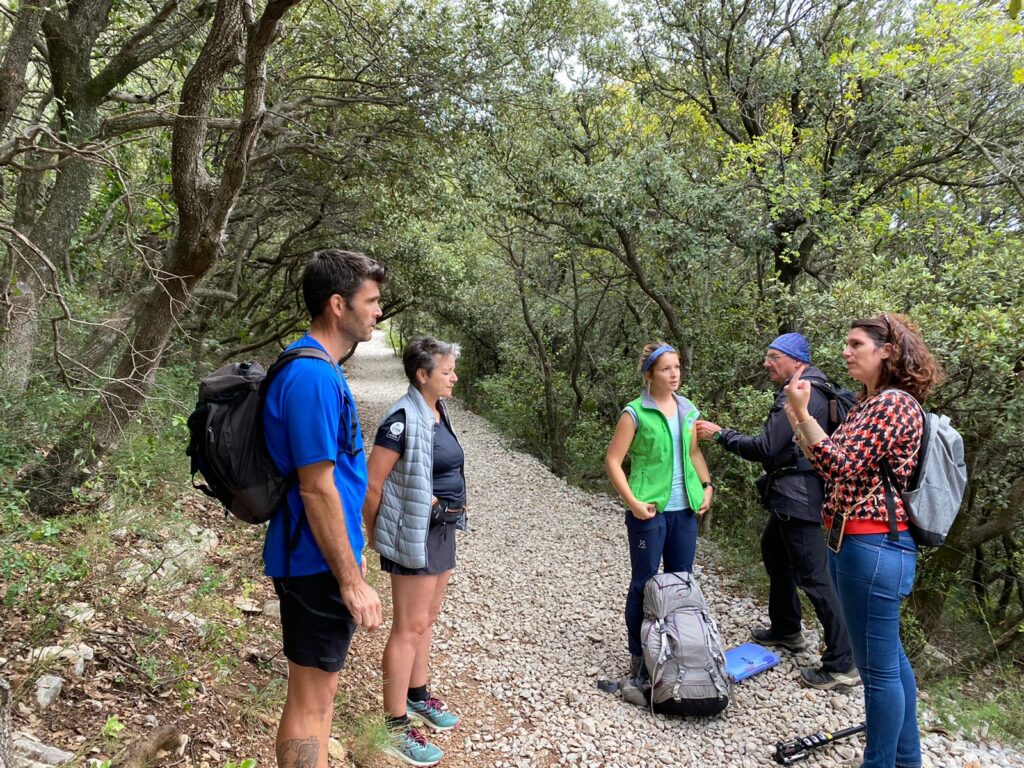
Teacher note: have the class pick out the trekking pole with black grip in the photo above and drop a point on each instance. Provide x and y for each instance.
(795, 750)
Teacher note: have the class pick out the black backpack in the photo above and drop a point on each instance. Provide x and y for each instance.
(840, 401)
(226, 444)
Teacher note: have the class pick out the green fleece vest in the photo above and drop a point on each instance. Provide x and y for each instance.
(650, 475)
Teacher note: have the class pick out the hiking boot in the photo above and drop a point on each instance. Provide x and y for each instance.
(634, 694)
(410, 745)
(432, 712)
(824, 680)
(638, 670)
(794, 642)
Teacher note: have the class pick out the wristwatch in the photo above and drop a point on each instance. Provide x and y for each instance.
(717, 437)
(708, 484)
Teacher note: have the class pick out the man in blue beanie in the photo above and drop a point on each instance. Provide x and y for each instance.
(792, 547)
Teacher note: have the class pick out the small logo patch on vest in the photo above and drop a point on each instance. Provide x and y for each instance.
(396, 429)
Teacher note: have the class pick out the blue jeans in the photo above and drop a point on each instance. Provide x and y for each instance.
(873, 576)
(671, 536)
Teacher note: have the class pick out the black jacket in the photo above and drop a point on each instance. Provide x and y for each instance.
(797, 493)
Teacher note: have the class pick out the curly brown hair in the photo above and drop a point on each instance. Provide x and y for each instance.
(911, 366)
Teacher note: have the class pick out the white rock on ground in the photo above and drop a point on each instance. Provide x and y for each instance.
(272, 609)
(533, 618)
(80, 613)
(29, 749)
(185, 617)
(48, 688)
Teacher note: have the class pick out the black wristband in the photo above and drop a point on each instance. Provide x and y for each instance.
(708, 484)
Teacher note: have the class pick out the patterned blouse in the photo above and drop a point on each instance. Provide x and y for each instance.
(888, 424)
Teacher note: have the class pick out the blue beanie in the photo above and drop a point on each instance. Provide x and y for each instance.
(794, 345)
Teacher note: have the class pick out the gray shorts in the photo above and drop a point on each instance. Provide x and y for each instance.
(440, 554)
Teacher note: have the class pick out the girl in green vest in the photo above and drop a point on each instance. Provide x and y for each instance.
(668, 487)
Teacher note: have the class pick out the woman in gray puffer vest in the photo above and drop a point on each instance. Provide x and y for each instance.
(415, 500)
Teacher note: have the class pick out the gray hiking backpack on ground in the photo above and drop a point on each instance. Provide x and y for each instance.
(682, 648)
(935, 490)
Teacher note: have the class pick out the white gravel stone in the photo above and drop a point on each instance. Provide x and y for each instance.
(48, 688)
(533, 618)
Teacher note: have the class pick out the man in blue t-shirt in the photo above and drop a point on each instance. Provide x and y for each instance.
(313, 549)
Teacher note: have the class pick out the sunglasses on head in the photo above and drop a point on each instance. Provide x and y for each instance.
(888, 325)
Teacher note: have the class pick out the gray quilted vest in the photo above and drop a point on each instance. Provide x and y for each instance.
(400, 533)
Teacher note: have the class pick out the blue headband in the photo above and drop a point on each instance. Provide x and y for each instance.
(654, 356)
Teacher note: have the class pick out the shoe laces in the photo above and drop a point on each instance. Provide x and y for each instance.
(413, 733)
(434, 703)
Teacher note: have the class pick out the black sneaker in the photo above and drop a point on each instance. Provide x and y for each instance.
(824, 680)
(794, 642)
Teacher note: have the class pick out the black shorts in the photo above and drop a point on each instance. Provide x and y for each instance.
(316, 625)
(440, 554)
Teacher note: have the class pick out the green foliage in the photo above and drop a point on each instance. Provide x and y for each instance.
(31, 577)
(150, 462)
(33, 419)
(508, 398)
(552, 185)
(369, 736)
(645, 194)
(990, 705)
(112, 728)
(263, 703)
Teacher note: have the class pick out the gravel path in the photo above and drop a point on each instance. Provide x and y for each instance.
(533, 619)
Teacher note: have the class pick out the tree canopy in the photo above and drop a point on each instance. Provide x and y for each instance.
(551, 184)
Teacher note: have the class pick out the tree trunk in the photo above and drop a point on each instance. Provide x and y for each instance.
(21, 297)
(37, 267)
(16, 56)
(551, 428)
(629, 259)
(70, 44)
(6, 758)
(18, 335)
(204, 208)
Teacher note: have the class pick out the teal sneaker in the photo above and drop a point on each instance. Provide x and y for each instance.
(432, 712)
(410, 745)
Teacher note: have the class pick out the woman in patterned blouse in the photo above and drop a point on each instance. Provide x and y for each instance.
(873, 567)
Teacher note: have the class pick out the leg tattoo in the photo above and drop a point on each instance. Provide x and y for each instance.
(299, 753)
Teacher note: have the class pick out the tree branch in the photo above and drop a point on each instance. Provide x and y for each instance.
(145, 45)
